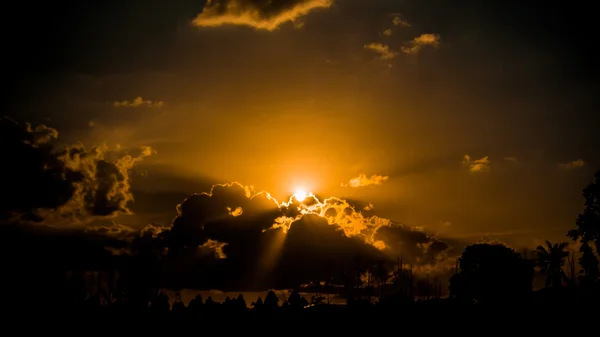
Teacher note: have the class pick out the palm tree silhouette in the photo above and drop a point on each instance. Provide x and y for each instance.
(551, 259)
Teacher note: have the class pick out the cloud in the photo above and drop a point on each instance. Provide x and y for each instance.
(415, 245)
(575, 164)
(384, 51)
(420, 41)
(397, 21)
(512, 159)
(115, 230)
(477, 165)
(259, 14)
(42, 183)
(235, 212)
(270, 238)
(137, 102)
(229, 237)
(362, 180)
(387, 32)
(215, 247)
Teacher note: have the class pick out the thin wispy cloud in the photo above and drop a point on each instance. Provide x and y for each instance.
(259, 14)
(575, 164)
(362, 180)
(477, 165)
(397, 21)
(416, 44)
(137, 103)
(387, 32)
(384, 51)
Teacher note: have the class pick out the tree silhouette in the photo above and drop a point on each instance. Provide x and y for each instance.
(178, 306)
(258, 305)
(590, 269)
(492, 273)
(271, 301)
(160, 304)
(551, 259)
(210, 305)
(296, 301)
(196, 304)
(588, 222)
(240, 303)
(382, 275)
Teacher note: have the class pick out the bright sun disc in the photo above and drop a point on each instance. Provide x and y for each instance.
(300, 195)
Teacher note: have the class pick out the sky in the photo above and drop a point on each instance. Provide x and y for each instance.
(470, 121)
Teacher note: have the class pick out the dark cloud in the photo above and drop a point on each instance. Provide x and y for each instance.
(284, 244)
(416, 246)
(47, 184)
(231, 237)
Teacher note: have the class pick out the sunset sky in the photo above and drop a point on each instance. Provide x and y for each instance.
(472, 119)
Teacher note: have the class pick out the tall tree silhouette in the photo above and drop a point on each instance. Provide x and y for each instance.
(492, 273)
(588, 222)
(271, 301)
(590, 270)
(296, 301)
(551, 259)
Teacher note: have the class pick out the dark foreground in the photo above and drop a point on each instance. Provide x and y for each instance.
(560, 309)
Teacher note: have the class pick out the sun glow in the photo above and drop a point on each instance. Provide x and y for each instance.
(300, 195)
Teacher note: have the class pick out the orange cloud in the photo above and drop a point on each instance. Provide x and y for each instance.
(214, 246)
(420, 41)
(362, 180)
(477, 165)
(235, 212)
(397, 21)
(137, 103)
(261, 14)
(384, 51)
(575, 164)
(387, 32)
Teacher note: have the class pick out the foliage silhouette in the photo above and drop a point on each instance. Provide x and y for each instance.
(492, 273)
(590, 270)
(551, 260)
(588, 222)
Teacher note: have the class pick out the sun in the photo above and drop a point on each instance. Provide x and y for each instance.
(300, 195)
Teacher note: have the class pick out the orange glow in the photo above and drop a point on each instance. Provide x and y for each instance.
(300, 195)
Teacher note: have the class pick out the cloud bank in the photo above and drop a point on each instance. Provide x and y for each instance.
(280, 244)
(45, 184)
(231, 237)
